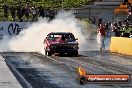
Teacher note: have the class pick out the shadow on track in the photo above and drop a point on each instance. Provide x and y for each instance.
(68, 55)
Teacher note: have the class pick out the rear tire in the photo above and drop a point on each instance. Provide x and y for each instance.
(75, 53)
(48, 53)
(45, 52)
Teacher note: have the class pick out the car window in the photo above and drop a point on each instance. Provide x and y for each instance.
(69, 36)
(55, 36)
(50, 37)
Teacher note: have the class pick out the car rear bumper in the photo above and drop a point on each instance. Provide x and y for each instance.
(63, 50)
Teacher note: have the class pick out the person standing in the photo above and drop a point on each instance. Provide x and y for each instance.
(101, 37)
(27, 11)
(129, 17)
(47, 13)
(41, 12)
(23, 12)
(99, 21)
(116, 30)
(5, 8)
(93, 21)
(19, 13)
(107, 29)
(51, 14)
(34, 13)
(126, 30)
(13, 12)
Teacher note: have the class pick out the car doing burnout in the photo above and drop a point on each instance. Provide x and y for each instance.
(60, 42)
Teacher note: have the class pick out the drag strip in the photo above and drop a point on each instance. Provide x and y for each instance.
(28, 72)
(95, 66)
(19, 77)
(41, 71)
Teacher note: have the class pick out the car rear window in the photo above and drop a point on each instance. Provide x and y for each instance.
(55, 36)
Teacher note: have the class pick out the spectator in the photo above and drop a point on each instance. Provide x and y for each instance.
(51, 14)
(47, 12)
(129, 18)
(5, 8)
(19, 13)
(27, 11)
(116, 30)
(34, 13)
(130, 35)
(126, 30)
(13, 12)
(101, 37)
(99, 21)
(23, 11)
(111, 26)
(41, 12)
(120, 24)
(107, 29)
(93, 21)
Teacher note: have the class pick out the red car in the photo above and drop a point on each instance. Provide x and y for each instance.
(60, 42)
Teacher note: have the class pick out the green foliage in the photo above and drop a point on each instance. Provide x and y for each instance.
(49, 3)
(45, 3)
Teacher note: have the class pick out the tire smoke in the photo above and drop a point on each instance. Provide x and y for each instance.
(31, 39)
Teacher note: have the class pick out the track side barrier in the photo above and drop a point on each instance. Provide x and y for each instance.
(121, 45)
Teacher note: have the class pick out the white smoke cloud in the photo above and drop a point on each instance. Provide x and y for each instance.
(31, 39)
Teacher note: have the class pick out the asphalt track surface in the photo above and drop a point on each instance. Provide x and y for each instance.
(57, 71)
